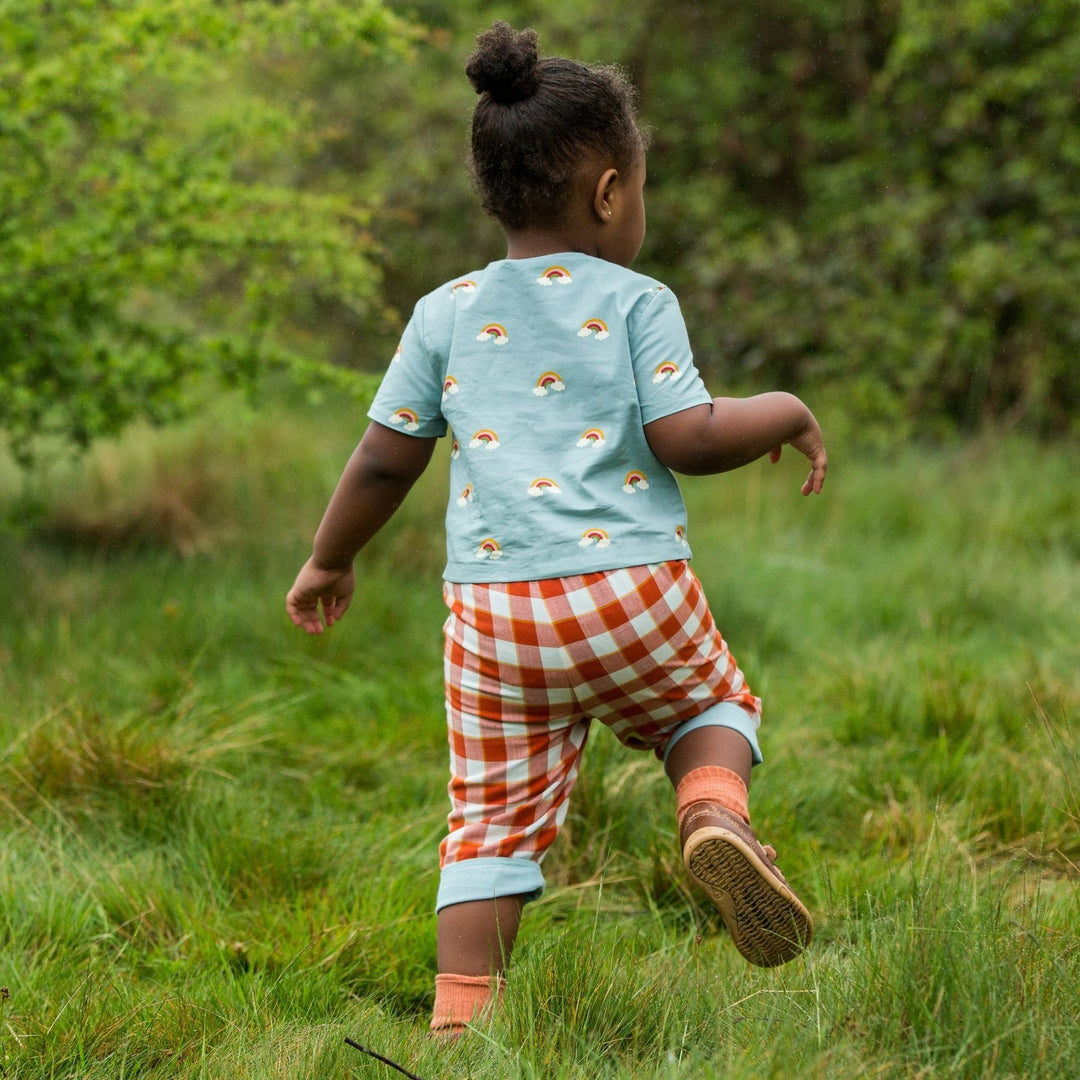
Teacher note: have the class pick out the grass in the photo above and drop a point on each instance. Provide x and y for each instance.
(218, 853)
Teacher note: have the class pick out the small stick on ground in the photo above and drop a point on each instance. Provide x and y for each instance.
(384, 1060)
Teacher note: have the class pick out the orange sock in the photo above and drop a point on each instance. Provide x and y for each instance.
(459, 999)
(713, 783)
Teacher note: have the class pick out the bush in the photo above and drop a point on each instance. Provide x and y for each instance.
(149, 239)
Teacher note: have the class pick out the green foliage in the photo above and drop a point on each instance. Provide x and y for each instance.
(150, 238)
(882, 197)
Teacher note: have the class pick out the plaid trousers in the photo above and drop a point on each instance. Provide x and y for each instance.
(529, 665)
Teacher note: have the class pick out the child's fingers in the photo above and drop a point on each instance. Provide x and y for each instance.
(334, 607)
(304, 615)
(816, 480)
(302, 608)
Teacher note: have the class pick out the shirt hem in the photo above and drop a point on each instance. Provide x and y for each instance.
(480, 574)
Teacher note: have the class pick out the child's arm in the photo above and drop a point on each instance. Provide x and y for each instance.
(734, 431)
(382, 469)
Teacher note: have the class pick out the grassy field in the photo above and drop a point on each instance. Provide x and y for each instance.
(218, 846)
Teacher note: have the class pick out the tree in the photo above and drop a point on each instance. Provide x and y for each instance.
(882, 195)
(151, 238)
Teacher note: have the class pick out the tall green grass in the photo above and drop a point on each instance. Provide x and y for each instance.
(218, 853)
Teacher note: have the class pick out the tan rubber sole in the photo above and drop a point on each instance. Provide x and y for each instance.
(767, 922)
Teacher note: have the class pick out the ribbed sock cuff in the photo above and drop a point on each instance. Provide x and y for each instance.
(713, 783)
(460, 999)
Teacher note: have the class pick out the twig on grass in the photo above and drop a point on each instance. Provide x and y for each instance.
(384, 1060)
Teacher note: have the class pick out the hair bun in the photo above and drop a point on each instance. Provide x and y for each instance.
(504, 63)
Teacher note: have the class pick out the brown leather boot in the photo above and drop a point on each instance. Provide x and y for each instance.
(766, 920)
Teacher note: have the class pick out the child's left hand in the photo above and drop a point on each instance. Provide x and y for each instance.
(810, 444)
(314, 586)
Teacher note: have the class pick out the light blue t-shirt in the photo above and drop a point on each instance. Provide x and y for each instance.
(547, 371)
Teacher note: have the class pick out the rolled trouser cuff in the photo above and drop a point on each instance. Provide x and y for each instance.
(488, 879)
(722, 714)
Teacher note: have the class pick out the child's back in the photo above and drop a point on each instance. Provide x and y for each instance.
(547, 370)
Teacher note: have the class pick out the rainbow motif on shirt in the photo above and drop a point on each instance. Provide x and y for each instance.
(449, 386)
(550, 381)
(594, 438)
(397, 353)
(555, 275)
(489, 549)
(666, 370)
(594, 536)
(493, 332)
(455, 450)
(680, 535)
(635, 481)
(486, 438)
(543, 486)
(596, 327)
(466, 495)
(462, 286)
(405, 418)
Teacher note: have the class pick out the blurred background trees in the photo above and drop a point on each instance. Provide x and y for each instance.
(154, 236)
(879, 199)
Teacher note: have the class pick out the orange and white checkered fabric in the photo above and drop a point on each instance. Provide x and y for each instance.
(530, 664)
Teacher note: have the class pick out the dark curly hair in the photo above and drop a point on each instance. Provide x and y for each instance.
(537, 120)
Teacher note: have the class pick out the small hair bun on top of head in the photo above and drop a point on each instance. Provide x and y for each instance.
(504, 63)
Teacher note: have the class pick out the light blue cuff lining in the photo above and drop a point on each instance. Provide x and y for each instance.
(723, 714)
(487, 879)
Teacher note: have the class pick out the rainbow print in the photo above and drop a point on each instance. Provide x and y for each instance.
(594, 438)
(555, 275)
(543, 486)
(455, 450)
(493, 332)
(405, 418)
(466, 496)
(635, 481)
(666, 370)
(680, 534)
(596, 327)
(594, 536)
(489, 549)
(486, 438)
(462, 286)
(397, 353)
(449, 386)
(550, 381)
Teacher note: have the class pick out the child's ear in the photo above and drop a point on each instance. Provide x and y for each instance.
(604, 195)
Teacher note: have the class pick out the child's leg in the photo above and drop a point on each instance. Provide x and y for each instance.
(722, 747)
(710, 768)
(516, 736)
(475, 940)
(477, 937)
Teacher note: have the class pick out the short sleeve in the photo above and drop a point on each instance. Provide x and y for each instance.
(409, 399)
(667, 378)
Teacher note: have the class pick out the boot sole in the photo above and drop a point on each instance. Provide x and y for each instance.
(767, 922)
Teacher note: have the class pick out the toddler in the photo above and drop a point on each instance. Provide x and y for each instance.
(568, 386)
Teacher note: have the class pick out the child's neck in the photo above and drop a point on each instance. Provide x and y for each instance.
(532, 243)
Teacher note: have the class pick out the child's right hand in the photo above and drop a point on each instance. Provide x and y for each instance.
(333, 589)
